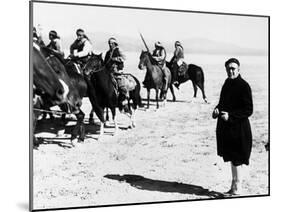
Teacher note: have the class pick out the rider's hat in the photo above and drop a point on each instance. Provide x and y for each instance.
(158, 44)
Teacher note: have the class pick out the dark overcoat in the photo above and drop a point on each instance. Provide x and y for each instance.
(234, 137)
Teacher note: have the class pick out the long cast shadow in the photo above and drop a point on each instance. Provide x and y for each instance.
(143, 183)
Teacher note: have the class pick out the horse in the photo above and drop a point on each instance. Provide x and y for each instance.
(129, 98)
(189, 72)
(45, 80)
(101, 90)
(75, 95)
(154, 77)
(45, 83)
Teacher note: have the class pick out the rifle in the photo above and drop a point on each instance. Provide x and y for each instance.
(144, 43)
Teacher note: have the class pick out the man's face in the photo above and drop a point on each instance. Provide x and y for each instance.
(111, 44)
(232, 70)
(79, 35)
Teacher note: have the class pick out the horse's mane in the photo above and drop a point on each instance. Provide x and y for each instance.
(152, 60)
(48, 52)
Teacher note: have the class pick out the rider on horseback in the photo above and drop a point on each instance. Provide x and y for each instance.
(114, 60)
(37, 38)
(177, 60)
(55, 44)
(81, 50)
(159, 54)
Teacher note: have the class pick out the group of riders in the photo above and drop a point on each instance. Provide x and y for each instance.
(81, 50)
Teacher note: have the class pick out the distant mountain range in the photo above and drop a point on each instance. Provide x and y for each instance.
(193, 45)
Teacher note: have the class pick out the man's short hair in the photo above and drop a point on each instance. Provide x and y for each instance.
(80, 30)
(232, 60)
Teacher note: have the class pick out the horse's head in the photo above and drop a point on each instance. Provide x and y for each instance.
(45, 78)
(144, 57)
(52, 65)
(94, 63)
(71, 94)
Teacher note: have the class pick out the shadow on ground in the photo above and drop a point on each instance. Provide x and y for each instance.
(143, 183)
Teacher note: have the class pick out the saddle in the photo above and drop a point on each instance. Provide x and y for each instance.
(182, 69)
(125, 83)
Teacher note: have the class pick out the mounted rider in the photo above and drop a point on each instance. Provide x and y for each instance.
(177, 60)
(37, 38)
(81, 49)
(55, 44)
(159, 55)
(114, 60)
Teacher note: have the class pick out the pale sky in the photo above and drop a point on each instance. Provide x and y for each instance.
(244, 31)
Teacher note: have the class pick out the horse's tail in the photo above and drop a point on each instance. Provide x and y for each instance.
(137, 92)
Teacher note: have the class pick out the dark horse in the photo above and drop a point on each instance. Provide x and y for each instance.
(45, 80)
(73, 98)
(101, 90)
(75, 94)
(189, 72)
(46, 83)
(154, 77)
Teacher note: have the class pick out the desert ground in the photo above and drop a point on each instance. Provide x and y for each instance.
(169, 155)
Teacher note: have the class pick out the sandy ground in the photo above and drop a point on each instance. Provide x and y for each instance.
(170, 155)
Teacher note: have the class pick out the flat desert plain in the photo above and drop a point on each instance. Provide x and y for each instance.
(169, 155)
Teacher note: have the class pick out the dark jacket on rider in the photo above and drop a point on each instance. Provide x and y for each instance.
(55, 45)
(84, 49)
(114, 59)
(159, 54)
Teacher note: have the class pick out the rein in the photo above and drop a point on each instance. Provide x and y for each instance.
(58, 112)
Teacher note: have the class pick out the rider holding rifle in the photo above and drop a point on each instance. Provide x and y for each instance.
(159, 54)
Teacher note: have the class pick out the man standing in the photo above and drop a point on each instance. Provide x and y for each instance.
(234, 136)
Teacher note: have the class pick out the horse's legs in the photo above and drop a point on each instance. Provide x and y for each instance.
(156, 97)
(172, 91)
(106, 116)
(79, 129)
(101, 130)
(195, 89)
(201, 86)
(100, 114)
(91, 116)
(35, 119)
(133, 118)
(148, 97)
(133, 112)
(113, 111)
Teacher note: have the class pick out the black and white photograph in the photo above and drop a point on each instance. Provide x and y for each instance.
(132, 105)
